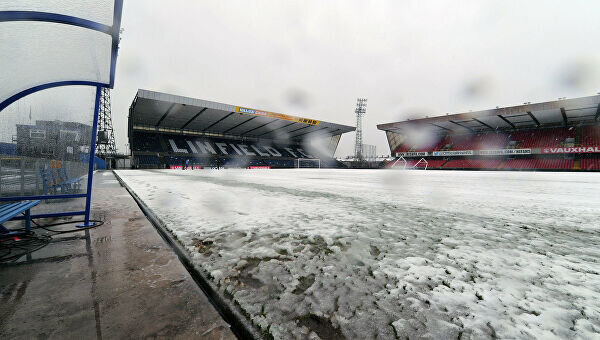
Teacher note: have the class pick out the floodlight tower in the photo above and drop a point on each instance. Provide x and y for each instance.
(105, 140)
(360, 111)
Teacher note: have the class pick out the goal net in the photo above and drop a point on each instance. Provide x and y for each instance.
(308, 163)
(422, 164)
(402, 163)
(399, 163)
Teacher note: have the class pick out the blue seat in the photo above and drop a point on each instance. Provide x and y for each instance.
(11, 210)
(55, 179)
(70, 183)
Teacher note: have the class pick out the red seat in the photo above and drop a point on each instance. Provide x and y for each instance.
(590, 164)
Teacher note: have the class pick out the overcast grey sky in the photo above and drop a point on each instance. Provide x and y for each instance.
(314, 58)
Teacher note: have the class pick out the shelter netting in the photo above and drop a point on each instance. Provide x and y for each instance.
(55, 57)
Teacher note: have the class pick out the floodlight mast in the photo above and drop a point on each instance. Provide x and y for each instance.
(360, 111)
(105, 140)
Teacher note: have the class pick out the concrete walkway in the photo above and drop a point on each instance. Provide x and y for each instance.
(121, 280)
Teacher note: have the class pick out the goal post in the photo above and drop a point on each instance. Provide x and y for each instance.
(402, 162)
(422, 161)
(308, 163)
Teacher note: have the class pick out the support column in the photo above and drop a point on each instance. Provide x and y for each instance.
(88, 198)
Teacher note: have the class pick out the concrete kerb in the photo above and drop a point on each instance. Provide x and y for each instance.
(240, 325)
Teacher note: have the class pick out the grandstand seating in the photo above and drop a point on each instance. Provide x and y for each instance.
(200, 161)
(524, 139)
(414, 163)
(432, 163)
(146, 142)
(410, 163)
(473, 163)
(279, 163)
(538, 163)
(434, 145)
(256, 162)
(542, 138)
(555, 163)
(590, 135)
(522, 163)
(461, 142)
(441, 145)
(150, 149)
(590, 164)
(552, 137)
(148, 160)
(485, 141)
(405, 147)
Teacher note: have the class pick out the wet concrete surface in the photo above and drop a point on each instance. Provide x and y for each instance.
(120, 280)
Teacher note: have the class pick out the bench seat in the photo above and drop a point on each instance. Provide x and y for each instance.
(10, 210)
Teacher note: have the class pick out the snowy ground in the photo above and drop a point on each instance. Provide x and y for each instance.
(384, 254)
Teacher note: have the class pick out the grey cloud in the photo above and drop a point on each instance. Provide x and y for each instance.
(314, 58)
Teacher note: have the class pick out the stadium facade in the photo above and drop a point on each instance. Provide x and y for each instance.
(56, 139)
(558, 135)
(169, 131)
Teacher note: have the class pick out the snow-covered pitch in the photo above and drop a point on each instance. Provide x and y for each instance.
(372, 254)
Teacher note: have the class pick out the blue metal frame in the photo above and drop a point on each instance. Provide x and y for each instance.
(10, 210)
(53, 17)
(5, 232)
(41, 197)
(34, 89)
(88, 197)
(114, 32)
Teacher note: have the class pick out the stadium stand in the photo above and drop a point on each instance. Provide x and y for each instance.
(558, 135)
(444, 144)
(480, 141)
(433, 163)
(532, 163)
(280, 163)
(148, 160)
(413, 162)
(195, 161)
(590, 135)
(590, 164)
(553, 137)
(437, 143)
(145, 142)
(473, 163)
(417, 163)
(166, 131)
